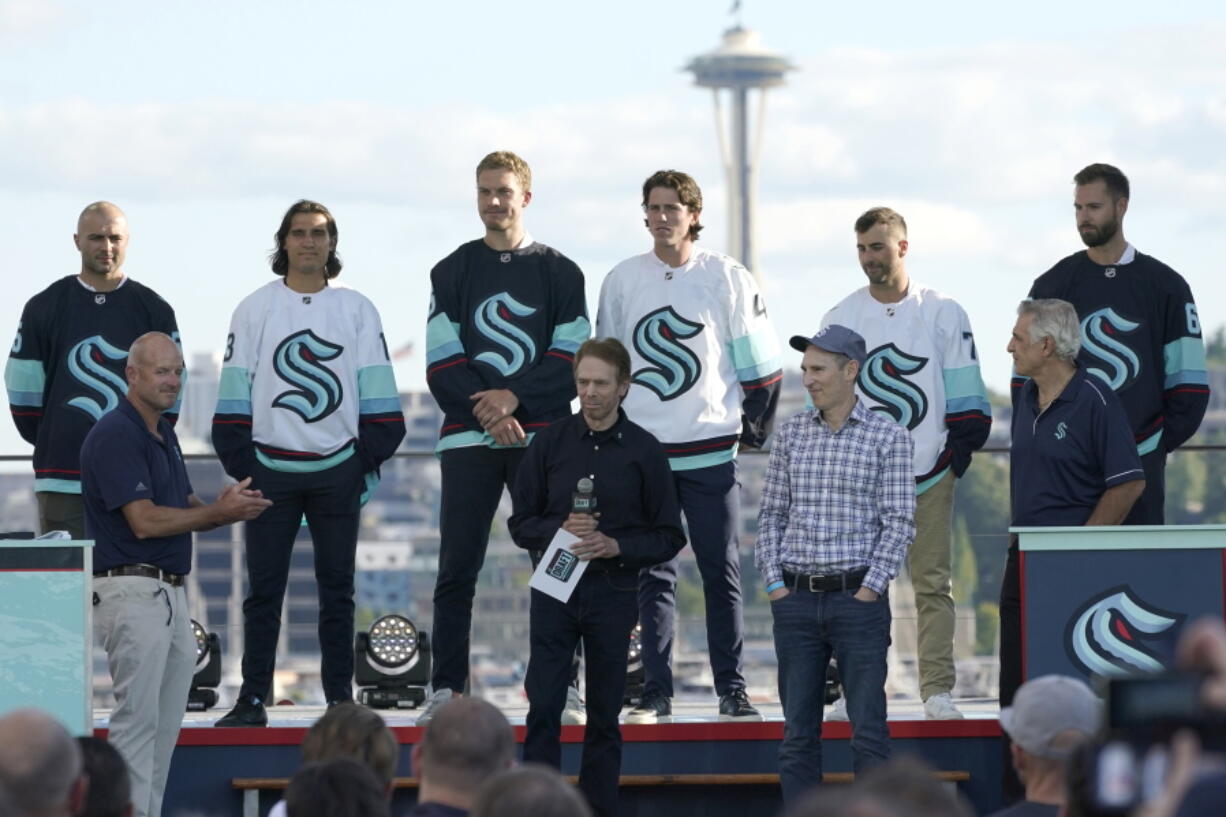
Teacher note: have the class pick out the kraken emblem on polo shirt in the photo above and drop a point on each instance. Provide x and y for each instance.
(1110, 357)
(883, 379)
(1115, 632)
(657, 339)
(494, 319)
(87, 363)
(299, 361)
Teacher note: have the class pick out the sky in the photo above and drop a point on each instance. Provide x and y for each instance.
(205, 121)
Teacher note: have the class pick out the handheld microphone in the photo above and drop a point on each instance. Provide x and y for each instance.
(583, 500)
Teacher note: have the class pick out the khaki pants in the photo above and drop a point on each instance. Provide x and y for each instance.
(58, 511)
(930, 563)
(146, 630)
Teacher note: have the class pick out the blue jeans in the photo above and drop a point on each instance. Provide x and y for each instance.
(809, 629)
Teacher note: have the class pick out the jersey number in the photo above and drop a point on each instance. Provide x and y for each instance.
(229, 348)
(1193, 319)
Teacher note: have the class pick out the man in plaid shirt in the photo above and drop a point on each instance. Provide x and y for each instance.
(837, 517)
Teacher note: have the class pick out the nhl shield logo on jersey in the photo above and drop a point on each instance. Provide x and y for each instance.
(298, 361)
(87, 363)
(657, 338)
(1103, 343)
(883, 380)
(493, 319)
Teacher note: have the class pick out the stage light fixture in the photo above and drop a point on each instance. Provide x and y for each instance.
(392, 664)
(203, 694)
(636, 677)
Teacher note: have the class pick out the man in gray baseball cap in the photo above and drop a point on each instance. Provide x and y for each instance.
(838, 340)
(1050, 717)
(837, 517)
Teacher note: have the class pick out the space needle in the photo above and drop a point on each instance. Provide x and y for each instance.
(740, 65)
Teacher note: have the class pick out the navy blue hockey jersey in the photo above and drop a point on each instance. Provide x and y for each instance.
(1140, 333)
(503, 320)
(66, 368)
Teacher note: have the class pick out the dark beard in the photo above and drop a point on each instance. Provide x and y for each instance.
(1099, 236)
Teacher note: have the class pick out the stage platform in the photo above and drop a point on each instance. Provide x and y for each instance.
(661, 760)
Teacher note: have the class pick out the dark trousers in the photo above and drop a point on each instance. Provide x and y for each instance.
(710, 499)
(473, 479)
(601, 613)
(330, 501)
(809, 629)
(1010, 657)
(1149, 509)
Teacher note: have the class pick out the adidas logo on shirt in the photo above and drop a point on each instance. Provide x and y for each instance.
(140, 486)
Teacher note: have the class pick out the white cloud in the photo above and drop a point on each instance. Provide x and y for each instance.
(24, 17)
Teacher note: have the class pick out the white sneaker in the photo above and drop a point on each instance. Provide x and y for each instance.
(941, 708)
(574, 713)
(837, 711)
(437, 698)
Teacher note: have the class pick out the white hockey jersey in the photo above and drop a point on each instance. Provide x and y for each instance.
(705, 360)
(922, 372)
(307, 372)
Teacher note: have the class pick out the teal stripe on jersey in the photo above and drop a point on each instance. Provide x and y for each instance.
(962, 404)
(25, 381)
(235, 384)
(442, 339)
(58, 486)
(306, 466)
(370, 481)
(964, 382)
(932, 480)
(378, 383)
(470, 439)
(568, 337)
(697, 461)
(756, 355)
(1149, 445)
(1184, 362)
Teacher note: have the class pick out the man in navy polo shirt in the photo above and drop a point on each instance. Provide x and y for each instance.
(140, 511)
(1073, 459)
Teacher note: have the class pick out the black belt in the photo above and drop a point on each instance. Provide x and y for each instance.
(825, 583)
(148, 571)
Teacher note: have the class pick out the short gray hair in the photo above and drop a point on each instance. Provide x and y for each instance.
(1055, 319)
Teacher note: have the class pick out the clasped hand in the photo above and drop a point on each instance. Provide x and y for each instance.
(592, 543)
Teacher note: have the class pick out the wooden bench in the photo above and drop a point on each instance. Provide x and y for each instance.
(252, 786)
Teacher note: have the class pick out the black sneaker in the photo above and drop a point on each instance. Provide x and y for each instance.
(653, 708)
(248, 711)
(735, 706)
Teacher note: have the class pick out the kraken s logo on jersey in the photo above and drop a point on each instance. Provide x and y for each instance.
(1119, 365)
(493, 319)
(298, 360)
(657, 338)
(87, 363)
(1107, 636)
(883, 380)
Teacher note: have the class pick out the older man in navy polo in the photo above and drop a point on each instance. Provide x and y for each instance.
(1073, 460)
(140, 512)
(837, 517)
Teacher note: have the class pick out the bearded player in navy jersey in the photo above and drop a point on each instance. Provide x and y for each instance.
(1139, 329)
(66, 367)
(507, 315)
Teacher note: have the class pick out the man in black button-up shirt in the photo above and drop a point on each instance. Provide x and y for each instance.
(638, 524)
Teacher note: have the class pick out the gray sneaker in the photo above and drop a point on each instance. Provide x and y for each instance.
(575, 712)
(437, 698)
